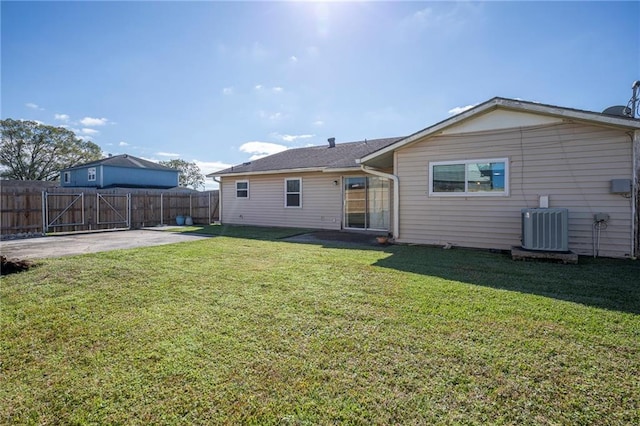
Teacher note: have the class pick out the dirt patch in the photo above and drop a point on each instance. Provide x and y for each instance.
(12, 266)
(339, 237)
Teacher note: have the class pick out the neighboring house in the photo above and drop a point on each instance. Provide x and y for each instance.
(460, 182)
(120, 171)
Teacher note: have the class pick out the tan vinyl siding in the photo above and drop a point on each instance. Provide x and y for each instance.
(571, 163)
(321, 202)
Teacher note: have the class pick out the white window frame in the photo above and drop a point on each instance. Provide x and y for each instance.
(299, 179)
(466, 192)
(247, 189)
(66, 177)
(91, 174)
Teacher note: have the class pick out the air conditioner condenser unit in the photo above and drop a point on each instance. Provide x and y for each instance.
(545, 229)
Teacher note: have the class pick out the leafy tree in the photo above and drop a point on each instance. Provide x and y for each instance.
(190, 174)
(33, 151)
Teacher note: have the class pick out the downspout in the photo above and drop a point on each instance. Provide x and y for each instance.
(635, 192)
(396, 196)
(219, 199)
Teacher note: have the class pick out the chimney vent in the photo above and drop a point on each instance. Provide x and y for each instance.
(332, 142)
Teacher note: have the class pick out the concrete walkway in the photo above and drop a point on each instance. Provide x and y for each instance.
(73, 244)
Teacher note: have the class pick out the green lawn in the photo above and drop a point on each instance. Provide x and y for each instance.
(246, 328)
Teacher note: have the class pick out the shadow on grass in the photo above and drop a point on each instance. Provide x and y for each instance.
(604, 283)
(237, 231)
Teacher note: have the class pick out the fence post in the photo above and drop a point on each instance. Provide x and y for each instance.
(161, 210)
(44, 212)
(190, 208)
(209, 216)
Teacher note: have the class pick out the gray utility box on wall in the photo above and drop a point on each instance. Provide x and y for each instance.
(620, 186)
(545, 229)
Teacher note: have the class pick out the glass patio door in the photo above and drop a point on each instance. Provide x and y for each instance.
(366, 203)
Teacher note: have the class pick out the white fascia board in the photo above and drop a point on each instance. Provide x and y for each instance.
(592, 117)
(341, 170)
(269, 172)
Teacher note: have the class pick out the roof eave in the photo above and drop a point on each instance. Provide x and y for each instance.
(341, 169)
(267, 172)
(514, 105)
(573, 114)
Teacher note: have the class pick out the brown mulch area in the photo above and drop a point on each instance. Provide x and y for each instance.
(11, 266)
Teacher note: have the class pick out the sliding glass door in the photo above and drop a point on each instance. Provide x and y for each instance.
(366, 203)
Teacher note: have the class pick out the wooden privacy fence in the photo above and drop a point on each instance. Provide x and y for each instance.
(29, 210)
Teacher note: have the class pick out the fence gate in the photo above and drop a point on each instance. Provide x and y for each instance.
(76, 212)
(113, 209)
(62, 210)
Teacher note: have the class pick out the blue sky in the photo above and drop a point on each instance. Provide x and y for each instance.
(220, 83)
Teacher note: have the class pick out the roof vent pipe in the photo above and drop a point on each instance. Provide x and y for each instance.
(332, 142)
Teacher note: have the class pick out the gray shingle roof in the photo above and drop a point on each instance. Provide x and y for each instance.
(343, 155)
(124, 160)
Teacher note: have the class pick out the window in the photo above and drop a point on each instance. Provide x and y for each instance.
(67, 177)
(469, 178)
(293, 192)
(91, 175)
(242, 189)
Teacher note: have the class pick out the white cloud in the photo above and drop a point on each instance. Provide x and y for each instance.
(290, 138)
(459, 109)
(89, 131)
(33, 106)
(423, 17)
(444, 18)
(123, 143)
(261, 149)
(318, 123)
(275, 89)
(207, 167)
(293, 59)
(90, 121)
(168, 154)
(153, 160)
(227, 91)
(271, 116)
(61, 117)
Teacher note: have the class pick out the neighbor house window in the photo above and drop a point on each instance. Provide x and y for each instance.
(242, 189)
(293, 192)
(469, 178)
(91, 175)
(67, 177)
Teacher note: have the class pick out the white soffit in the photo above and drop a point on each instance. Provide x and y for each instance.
(500, 119)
